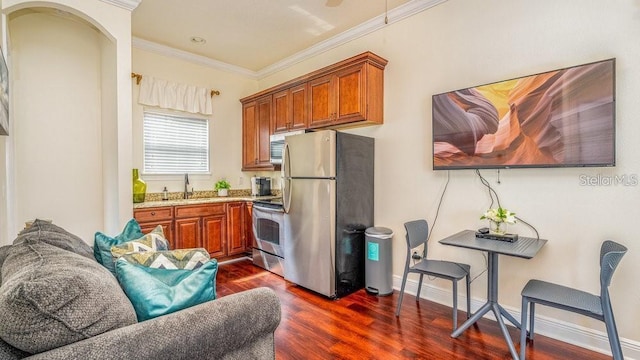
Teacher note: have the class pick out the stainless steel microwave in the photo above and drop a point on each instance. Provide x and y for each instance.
(276, 145)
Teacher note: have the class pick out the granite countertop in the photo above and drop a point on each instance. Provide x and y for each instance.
(206, 200)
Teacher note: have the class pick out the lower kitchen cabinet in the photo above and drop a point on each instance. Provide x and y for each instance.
(201, 226)
(214, 238)
(150, 218)
(223, 229)
(248, 226)
(188, 233)
(236, 243)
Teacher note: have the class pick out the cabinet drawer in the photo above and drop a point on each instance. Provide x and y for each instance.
(199, 210)
(153, 214)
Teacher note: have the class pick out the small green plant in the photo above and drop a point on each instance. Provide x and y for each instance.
(222, 184)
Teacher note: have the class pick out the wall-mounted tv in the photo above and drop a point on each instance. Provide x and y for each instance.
(560, 118)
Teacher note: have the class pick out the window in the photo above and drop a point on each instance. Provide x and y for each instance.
(175, 144)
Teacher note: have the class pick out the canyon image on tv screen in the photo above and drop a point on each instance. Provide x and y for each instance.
(560, 118)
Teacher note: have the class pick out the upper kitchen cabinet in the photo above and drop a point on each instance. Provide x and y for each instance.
(346, 94)
(351, 95)
(256, 124)
(290, 109)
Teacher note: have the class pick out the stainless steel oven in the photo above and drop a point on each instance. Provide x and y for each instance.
(269, 235)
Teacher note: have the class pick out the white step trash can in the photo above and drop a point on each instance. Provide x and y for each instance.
(378, 264)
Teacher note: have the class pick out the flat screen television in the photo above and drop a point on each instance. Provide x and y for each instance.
(560, 118)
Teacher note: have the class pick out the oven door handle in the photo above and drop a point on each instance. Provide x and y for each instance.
(267, 209)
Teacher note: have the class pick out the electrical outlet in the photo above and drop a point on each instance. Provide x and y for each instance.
(240, 180)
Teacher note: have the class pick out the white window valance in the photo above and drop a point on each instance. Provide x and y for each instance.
(170, 95)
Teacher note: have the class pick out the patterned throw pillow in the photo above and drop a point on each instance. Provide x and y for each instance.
(187, 259)
(153, 241)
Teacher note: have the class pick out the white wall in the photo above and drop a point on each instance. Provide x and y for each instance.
(57, 104)
(113, 22)
(225, 124)
(464, 43)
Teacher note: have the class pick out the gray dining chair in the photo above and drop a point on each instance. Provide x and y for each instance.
(417, 234)
(577, 301)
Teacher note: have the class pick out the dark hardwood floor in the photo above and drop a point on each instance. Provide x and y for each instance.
(363, 326)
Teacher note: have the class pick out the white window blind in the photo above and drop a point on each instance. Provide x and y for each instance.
(175, 144)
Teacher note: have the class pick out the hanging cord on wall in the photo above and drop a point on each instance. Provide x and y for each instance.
(386, 11)
(433, 225)
(415, 256)
(435, 219)
(486, 266)
(492, 192)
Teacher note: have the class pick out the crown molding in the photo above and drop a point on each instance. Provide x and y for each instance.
(125, 4)
(401, 12)
(190, 57)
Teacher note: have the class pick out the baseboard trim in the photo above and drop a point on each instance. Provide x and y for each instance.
(242, 258)
(570, 333)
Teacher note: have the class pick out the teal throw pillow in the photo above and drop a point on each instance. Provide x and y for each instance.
(155, 292)
(103, 243)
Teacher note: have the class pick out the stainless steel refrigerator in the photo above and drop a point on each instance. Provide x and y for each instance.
(327, 195)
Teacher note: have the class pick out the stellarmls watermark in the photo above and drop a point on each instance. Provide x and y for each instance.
(609, 180)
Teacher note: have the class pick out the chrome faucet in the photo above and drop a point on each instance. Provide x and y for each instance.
(187, 193)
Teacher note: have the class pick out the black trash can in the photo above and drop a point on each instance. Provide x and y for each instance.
(378, 262)
(350, 260)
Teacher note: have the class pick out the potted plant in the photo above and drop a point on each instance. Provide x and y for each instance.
(498, 218)
(223, 186)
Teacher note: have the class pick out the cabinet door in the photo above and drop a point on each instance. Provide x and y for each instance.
(321, 101)
(298, 118)
(249, 136)
(263, 118)
(280, 121)
(188, 233)
(167, 228)
(235, 228)
(149, 218)
(249, 237)
(350, 95)
(214, 235)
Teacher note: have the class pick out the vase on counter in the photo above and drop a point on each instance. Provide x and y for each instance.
(223, 192)
(139, 187)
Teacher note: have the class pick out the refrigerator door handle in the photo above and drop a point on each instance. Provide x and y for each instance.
(286, 179)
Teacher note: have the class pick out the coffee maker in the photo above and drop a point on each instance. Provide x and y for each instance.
(260, 186)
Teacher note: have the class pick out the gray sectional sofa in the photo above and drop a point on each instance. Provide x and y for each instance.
(57, 302)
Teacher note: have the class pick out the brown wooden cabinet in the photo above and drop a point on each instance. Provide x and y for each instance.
(236, 239)
(149, 219)
(321, 101)
(188, 233)
(224, 229)
(290, 109)
(214, 235)
(346, 94)
(256, 129)
(248, 226)
(202, 225)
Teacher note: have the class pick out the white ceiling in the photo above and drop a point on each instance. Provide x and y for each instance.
(252, 34)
